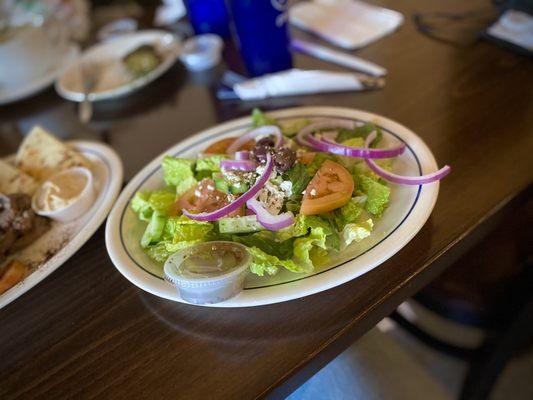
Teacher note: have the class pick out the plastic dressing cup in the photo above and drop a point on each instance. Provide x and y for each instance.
(209, 272)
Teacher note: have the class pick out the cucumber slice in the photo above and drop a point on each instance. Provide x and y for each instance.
(244, 224)
(239, 188)
(154, 230)
(221, 184)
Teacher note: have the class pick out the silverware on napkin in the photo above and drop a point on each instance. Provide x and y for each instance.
(295, 82)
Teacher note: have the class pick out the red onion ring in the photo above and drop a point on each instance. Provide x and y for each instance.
(349, 151)
(221, 212)
(266, 130)
(242, 165)
(404, 180)
(305, 137)
(329, 123)
(269, 221)
(242, 155)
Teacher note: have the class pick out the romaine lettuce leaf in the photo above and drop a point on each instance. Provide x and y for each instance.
(299, 178)
(210, 164)
(158, 252)
(262, 262)
(354, 142)
(265, 263)
(178, 172)
(141, 206)
(154, 230)
(161, 251)
(178, 229)
(145, 203)
(304, 245)
(174, 234)
(302, 225)
(356, 232)
(260, 119)
(293, 205)
(360, 132)
(162, 201)
(333, 241)
(266, 241)
(310, 231)
(362, 169)
(292, 247)
(292, 127)
(319, 256)
(377, 194)
(350, 212)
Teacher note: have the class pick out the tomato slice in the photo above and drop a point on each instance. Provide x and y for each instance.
(204, 197)
(185, 201)
(331, 188)
(222, 145)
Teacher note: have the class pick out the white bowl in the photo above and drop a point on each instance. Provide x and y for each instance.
(75, 209)
(201, 52)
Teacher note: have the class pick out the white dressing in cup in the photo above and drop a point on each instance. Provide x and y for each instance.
(66, 195)
(61, 191)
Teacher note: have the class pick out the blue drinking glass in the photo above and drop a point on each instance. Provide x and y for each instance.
(208, 16)
(261, 34)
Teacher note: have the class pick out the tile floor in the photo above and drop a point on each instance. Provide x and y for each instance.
(388, 363)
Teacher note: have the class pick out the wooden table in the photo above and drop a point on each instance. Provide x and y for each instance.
(86, 332)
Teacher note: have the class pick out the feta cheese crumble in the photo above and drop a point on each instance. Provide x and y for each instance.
(286, 186)
(272, 198)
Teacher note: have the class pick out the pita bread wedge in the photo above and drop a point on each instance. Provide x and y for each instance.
(12, 180)
(41, 155)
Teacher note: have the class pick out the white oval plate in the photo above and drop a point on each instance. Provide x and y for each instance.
(69, 237)
(69, 84)
(15, 90)
(409, 208)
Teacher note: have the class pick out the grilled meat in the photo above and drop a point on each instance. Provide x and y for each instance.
(19, 225)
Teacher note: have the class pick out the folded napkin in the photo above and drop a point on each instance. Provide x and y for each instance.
(296, 82)
(350, 24)
(515, 27)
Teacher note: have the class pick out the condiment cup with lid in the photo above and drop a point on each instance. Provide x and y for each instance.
(202, 52)
(209, 272)
(66, 195)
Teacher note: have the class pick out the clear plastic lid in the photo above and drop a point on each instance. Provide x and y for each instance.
(207, 262)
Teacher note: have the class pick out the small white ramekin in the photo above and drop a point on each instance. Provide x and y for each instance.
(202, 52)
(75, 209)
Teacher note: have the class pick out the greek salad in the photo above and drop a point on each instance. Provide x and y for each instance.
(292, 192)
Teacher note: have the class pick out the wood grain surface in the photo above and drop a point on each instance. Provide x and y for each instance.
(86, 333)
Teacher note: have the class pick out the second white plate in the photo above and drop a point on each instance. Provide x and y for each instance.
(69, 85)
(64, 239)
(14, 90)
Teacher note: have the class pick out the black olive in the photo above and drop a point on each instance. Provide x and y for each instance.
(259, 153)
(284, 159)
(266, 141)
